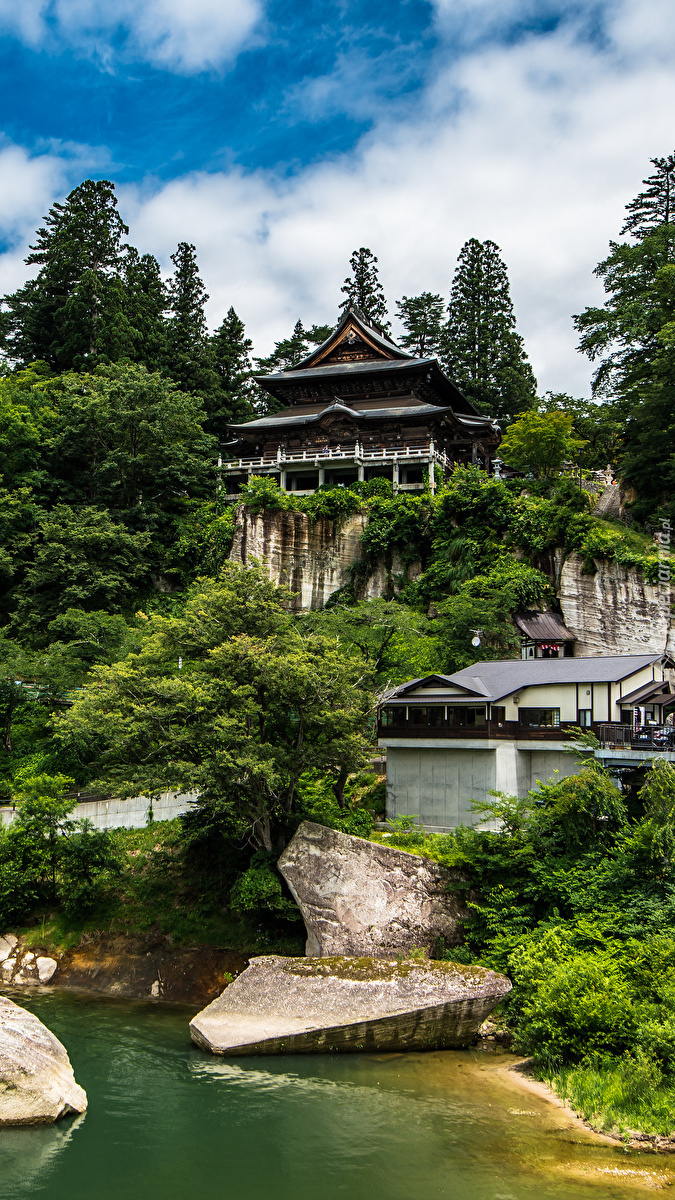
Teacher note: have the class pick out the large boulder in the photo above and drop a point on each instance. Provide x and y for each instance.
(308, 1006)
(360, 897)
(37, 1085)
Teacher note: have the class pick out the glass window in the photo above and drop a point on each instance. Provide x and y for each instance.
(392, 716)
(585, 718)
(539, 718)
(427, 716)
(498, 714)
(469, 717)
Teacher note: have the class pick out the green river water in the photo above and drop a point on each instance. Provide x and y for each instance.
(168, 1121)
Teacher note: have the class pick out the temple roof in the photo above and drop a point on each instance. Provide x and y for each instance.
(354, 328)
(290, 418)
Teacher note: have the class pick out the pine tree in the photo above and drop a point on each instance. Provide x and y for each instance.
(73, 313)
(188, 347)
(656, 205)
(483, 352)
(146, 303)
(364, 290)
(422, 319)
(231, 357)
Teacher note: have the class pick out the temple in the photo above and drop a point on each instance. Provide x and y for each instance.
(357, 408)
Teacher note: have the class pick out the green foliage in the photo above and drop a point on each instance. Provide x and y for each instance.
(483, 352)
(393, 641)
(263, 492)
(363, 289)
(331, 503)
(422, 318)
(252, 705)
(261, 887)
(540, 444)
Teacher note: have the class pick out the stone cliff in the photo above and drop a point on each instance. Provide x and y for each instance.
(310, 558)
(614, 611)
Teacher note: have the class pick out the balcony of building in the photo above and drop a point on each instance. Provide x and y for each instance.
(303, 471)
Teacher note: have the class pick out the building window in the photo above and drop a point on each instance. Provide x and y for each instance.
(627, 717)
(539, 718)
(433, 716)
(528, 648)
(467, 717)
(585, 718)
(392, 716)
(498, 714)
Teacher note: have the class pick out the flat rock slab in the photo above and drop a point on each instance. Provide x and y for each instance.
(360, 897)
(37, 1085)
(314, 1005)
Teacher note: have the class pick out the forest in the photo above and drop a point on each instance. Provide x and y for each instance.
(136, 658)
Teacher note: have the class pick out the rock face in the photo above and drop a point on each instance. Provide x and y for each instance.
(360, 897)
(614, 611)
(19, 965)
(312, 559)
(309, 1006)
(37, 1085)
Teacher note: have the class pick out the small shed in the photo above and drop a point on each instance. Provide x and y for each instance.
(544, 635)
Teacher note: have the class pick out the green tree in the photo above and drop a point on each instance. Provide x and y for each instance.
(422, 319)
(188, 345)
(72, 314)
(393, 641)
(146, 304)
(231, 356)
(630, 337)
(82, 559)
(130, 440)
(251, 705)
(540, 444)
(363, 289)
(655, 206)
(599, 425)
(483, 352)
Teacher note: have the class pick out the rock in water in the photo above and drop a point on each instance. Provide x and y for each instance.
(37, 1085)
(313, 1005)
(360, 897)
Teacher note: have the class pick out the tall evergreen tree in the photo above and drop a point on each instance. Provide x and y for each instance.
(287, 353)
(363, 289)
(146, 303)
(631, 339)
(73, 313)
(189, 351)
(483, 352)
(656, 205)
(231, 356)
(422, 319)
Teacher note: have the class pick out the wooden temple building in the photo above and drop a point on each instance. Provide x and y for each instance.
(358, 407)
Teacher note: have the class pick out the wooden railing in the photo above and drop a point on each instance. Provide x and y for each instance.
(357, 453)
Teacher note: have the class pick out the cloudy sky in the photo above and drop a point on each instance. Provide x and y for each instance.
(277, 136)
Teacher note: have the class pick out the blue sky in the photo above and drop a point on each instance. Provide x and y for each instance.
(279, 136)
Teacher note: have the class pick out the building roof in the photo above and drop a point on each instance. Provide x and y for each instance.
(496, 679)
(544, 627)
(289, 418)
(354, 317)
(648, 691)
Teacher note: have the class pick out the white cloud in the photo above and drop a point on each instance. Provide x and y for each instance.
(178, 35)
(537, 145)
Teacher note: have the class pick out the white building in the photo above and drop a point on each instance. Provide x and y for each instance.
(504, 726)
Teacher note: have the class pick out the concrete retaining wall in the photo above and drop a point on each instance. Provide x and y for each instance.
(123, 814)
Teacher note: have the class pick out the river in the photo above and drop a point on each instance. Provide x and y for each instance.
(168, 1121)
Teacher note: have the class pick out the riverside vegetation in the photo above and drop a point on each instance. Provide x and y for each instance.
(134, 657)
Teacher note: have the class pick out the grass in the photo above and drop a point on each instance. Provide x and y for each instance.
(151, 895)
(621, 1095)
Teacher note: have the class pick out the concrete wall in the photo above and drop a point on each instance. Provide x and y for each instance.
(437, 784)
(123, 814)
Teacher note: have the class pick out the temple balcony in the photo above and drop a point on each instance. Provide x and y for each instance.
(303, 471)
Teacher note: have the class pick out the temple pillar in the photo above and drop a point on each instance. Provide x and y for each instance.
(362, 472)
(282, 479)
(395, 476)
(322, 476)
